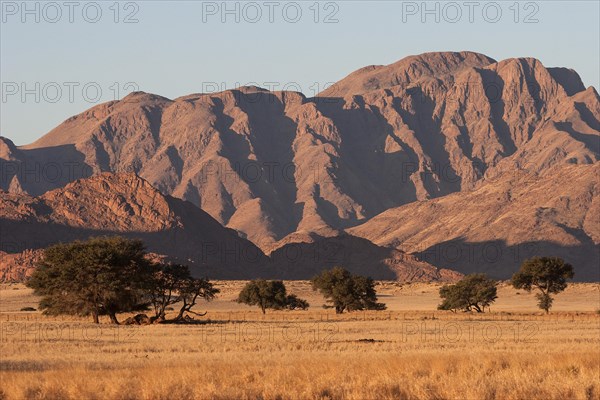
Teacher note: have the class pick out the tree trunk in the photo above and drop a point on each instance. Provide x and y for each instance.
(113, 318)
(95, 317)
(179, 316)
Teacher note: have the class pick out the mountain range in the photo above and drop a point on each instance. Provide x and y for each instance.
(435, 152)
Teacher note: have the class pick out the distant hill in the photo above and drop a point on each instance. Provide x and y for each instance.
(125, 204)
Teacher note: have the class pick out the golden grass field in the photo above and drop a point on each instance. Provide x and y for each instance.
(410, 351)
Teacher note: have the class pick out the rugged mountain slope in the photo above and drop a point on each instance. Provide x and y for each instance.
(273, 164)
(495, 227)
(17, 267)
(126, 204)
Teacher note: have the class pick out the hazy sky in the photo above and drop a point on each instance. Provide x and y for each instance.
(79, 54)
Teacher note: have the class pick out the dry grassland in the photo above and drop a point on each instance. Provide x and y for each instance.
(410, 351)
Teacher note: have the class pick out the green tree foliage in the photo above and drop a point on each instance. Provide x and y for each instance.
(109, 275)
(270, 294)
(547, 274)
(173, 283)
(473, 292)
(346, 291)
(293, 302)
(100, 276)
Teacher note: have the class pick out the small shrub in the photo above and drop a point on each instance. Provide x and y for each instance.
(270, 294)
(28, 309)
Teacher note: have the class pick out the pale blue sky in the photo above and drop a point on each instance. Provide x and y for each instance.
(176, 49)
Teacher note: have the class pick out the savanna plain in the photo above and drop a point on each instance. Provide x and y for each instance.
(409, 351)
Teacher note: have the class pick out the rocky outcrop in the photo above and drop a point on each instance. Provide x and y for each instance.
(125, 204)
(17, 267)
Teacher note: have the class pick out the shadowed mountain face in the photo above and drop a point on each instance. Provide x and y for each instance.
(360, 256)
(279, 167)
(494, 228)
(176, 230)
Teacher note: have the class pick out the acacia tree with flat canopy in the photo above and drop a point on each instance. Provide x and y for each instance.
(190, 290)
(473, 292)
(173, 283)
(162, 289)
(547, 274)
(346, 291)
(100, 276)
